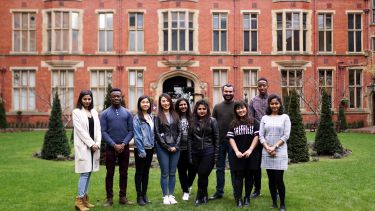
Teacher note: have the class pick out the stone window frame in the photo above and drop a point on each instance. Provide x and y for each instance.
(331, 86)
(97, 88)
(251, 88)
(28, 87)
(332, 13)
(28, 51)
(356, 86)
(250, 12)
(195, 28)
(105, 12)
(220, 29)
(132, 100)
(216, 88)
(45, 31)
(373, 12)
(66, 101)
(308, 31)
(288, 87)
(372, 43)
(136, 29)
(361, 13)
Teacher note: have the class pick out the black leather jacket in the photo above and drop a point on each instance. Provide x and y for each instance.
(167, 135)
(202, 138)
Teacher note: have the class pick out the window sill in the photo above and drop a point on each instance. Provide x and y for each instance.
(251, 53)
(219, 52)
(23, 53)
(105, 52)
(178, 52)
(135, 52)
(355, 53)
(356, 111)
(62, 53)
(292, 53)
(321, 53)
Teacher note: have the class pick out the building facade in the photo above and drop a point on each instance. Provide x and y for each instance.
(186, 48)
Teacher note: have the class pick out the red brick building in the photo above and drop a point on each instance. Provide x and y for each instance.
(186, 48)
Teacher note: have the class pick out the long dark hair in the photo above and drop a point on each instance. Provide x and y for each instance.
(140, 111)
(79, 101)
(247, 119)
(196, 117)
(188, 111)
(172, 112)
(270, 98)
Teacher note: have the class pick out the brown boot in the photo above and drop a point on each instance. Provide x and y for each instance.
(86, 202)
(79, 204)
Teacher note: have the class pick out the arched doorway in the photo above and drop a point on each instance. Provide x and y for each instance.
(179, 86)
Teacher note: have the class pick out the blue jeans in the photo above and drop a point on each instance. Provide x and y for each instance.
(224, 149)
(168, 164)
(83, 183)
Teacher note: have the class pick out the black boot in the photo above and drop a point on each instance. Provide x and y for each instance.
(239, 202)
(282, 207)
(145, 199)
(198, 199)
(274, 205)
(140, 201)
(246, 201)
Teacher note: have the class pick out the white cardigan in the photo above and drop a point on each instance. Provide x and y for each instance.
(82, 141)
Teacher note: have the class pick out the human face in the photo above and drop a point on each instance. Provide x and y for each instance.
(201, 111)
(228, 93)
(165, 104)
(275, 106)
(145, 104)
(116, 98)
(241, 111)
(86, 101)
(183, 106)
(262, 87)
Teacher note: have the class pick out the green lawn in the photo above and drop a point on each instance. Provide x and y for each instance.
(28, 183)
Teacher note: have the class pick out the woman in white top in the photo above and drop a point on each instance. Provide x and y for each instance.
(87, 138)
(273, 135)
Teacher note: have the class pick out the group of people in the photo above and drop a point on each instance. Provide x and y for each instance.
(191, 141)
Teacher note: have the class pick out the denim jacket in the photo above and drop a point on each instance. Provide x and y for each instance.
(143, 135)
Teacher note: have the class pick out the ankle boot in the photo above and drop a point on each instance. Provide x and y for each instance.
(246, 201)
(198, 199)
(140, 201)
(239, 202)
(86, 202)
(79, 204)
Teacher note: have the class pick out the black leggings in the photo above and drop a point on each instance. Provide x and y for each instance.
(186, 171)
(204, 166)
(276, 184)
(142, 169)
(240, 176)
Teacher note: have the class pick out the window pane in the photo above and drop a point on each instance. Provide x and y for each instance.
(320, 21)
(216, 21)
(16, 98)
(358, 44)
(223, 41)
(216, 41)
(75, 21)
(223, 77)
(32, 79)
(132, 19)
(24, 40)
(109, 40)
(350, 21)
(31, 100)
(191, 22)
(191, 40)
(17, 39)
(358, 77)
(329, 78)
(174, 40)
(94, 79)
(25, 21)
(101, 21)
(32, 20)
(351, 41)
(358, 21)
(174, 19)
(182, 20)
(288, 20)
(165, 19)
(246, 21)
(74, 41)
(351, 77)
(140, 79)
(223, 21)
(101, 40)
(288, 40)
(359, 97)
(140, 21)
(66, 20)
(58, 40)
(296, 40)
(216, 81)
(109, 21)
(296, 23)
(321, 40)
(182, 40)
(329, 21)
(254, 22)
(329, 41)
(17, 20)
(32, 41)
(246, 42)
(284, 78)
(165, 40)
(140, 40)
(279, 19)
(254, 38)
(351, 97)
(132, 40)
(132, 78)
(279, 40)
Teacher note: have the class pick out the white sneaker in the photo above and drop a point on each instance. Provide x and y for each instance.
(190, 188)
(185, 197)
(172, 200)
(166, 200)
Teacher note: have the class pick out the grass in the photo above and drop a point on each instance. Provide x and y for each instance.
(28, 183)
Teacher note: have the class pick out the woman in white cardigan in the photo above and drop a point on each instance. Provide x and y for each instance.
(87, 138)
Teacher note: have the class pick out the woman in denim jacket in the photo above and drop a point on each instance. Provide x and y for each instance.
(143, 124)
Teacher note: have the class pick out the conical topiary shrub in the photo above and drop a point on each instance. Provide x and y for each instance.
(342, 118)
(326, 140)
(55, 140)
(297, 143)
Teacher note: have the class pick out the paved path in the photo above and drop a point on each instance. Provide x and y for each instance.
(370, 129)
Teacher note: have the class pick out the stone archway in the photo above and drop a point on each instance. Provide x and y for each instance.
(199, 87)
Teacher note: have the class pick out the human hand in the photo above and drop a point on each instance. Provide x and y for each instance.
(118, 148)
(172, 149)
(142, 155)
(94, 148)
(239, 154)
(247, 153)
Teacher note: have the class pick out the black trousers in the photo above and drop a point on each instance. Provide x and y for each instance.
(142, 169)
(204, 165)
(276, 184)
(241, 176)
(186, 171)
(123, 162)
(257, 176)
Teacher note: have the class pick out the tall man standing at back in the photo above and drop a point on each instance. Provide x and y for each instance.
(117, 130)
(257, 109)
(224, 113)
